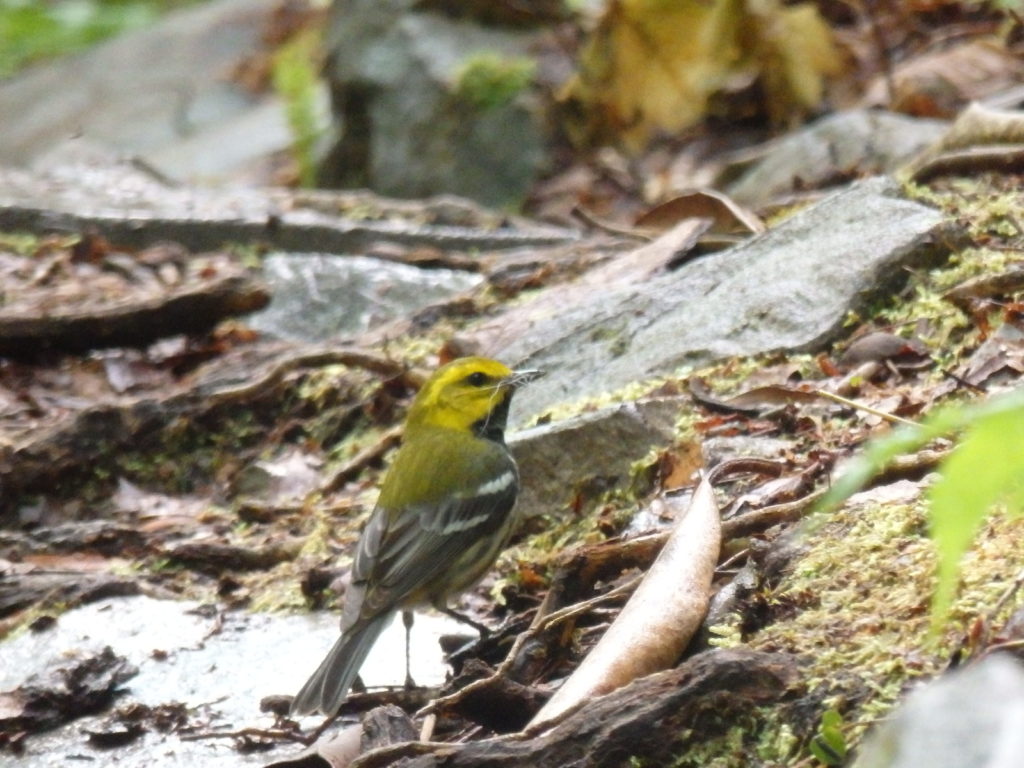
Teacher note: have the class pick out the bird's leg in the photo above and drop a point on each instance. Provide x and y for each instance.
(407, 619)
(483, 630)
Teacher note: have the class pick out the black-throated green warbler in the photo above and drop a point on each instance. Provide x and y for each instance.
(443, 515)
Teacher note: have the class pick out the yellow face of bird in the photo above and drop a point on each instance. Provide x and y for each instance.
(462, 393)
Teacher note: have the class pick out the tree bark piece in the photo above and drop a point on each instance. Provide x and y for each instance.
(70, 689)
(32, 462)
(132, 322)
(656, 624)
(214, 557)
(644, 720)
(386, 725)
(64, 588)
(500, 704)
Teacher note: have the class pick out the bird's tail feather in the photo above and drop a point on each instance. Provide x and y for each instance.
(327, 687)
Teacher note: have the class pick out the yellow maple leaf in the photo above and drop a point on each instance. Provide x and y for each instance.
(650, 66)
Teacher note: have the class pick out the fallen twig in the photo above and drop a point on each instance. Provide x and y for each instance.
(540, 625)
(279, 734)
(861, 407)
(194, 307)
(759, 519)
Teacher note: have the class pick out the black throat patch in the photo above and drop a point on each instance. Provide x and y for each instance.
(492, 426)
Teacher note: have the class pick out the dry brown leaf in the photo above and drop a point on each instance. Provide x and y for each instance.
(753, 400)
(794, 52)
(725, 213)
(999, 357)
(658, 621)
(779, 490)
(880, 346)
(651, 66)
(981, 126)
(678, 465)
(771, 396)
(1007, 282)
(938, 84)
(981, 138)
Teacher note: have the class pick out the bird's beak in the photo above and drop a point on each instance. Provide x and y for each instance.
(518, 378)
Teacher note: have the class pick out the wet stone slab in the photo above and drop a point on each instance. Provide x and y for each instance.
(219, 666)
(791, 288)
(320, 296)
(134, 208)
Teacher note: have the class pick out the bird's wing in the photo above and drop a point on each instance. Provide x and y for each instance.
(417, 533)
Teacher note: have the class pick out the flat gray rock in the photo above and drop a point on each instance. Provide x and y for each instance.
(320, 296)
(218, 665)
(393, 66)
(134, 208)
(788, 289)
(589, 454)
(970, 718)
(859, 141)
(165, 92)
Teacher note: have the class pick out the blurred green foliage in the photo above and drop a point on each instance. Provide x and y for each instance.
(34, 30)
(489, 80)
(828, 745)
(295, 79)
(985, 470)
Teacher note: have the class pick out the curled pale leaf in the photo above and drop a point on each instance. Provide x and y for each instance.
(656, 624)
(726, 215)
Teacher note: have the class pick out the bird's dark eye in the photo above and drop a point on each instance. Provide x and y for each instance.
(477, 379)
